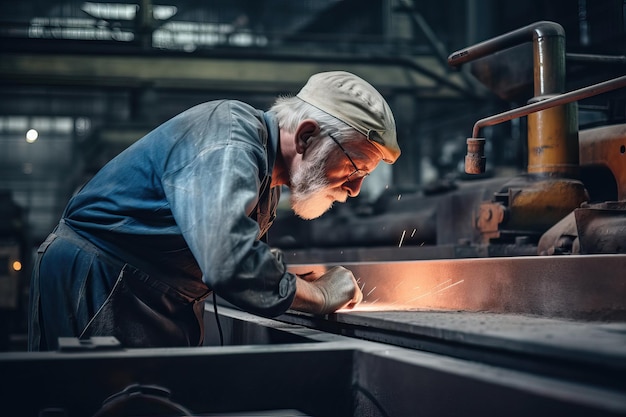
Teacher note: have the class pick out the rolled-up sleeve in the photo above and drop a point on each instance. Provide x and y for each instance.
(212, 181)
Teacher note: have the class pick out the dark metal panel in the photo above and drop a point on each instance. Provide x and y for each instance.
(536, 370)
(204, 380)
(334, 376)
(405, 385)
(588, 353)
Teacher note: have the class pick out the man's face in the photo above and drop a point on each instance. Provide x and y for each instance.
(326, 174)
(311, 192)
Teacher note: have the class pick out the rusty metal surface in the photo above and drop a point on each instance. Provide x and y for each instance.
(529, 205)
(553, 140)
(590, 229)
(489, 218)
(606, 146)
(536, 203)
(602, 227)
(589, 287)
(475, 159)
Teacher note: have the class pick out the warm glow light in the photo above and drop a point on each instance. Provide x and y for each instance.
(17, 266)
(404, 286)
(31, 135)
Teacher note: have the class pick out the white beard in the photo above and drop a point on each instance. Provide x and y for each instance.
(311, 195)
(313, 205)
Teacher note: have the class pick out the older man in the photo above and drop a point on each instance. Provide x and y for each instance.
(182, 213)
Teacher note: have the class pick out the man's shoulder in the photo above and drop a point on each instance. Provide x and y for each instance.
(244, 110)
(225, 106)
(225, 111)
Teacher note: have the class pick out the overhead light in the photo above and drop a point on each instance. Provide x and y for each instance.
(31, 135)
(164, 12)
(118, 11)
(115, 11)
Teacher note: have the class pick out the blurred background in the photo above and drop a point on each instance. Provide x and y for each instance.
(82, 80)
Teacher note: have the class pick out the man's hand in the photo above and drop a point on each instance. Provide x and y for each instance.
(332, 291)
(340, 289)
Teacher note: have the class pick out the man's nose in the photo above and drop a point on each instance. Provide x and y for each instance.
(353, 188)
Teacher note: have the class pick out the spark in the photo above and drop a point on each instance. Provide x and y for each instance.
(421, 296)
(413, 233)
(442, 283)
(371, 291)
(399, 197)
(451, 285)
(362, 286)
(432, 291)
(402, 238)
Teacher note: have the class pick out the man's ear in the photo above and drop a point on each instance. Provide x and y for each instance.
(305, 130)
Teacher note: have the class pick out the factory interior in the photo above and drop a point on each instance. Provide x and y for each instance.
(491, 255)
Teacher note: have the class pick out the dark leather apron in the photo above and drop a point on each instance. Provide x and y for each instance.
(144, 310)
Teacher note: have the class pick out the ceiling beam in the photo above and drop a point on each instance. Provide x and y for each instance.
(422, 76)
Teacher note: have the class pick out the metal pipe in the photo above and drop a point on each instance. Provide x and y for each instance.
(536, 30)
(565, 98)
(475, 158)
(596, 59)
(553, 133)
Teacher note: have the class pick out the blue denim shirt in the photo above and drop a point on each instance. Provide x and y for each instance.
(183, 200)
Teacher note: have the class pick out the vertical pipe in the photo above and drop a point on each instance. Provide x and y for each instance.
(552, 133)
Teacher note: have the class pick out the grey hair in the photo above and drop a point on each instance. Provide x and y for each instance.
(290, 111)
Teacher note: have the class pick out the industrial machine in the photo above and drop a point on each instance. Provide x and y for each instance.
(488, 297)
(567, 171)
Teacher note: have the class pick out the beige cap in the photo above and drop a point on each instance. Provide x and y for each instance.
(355, 102)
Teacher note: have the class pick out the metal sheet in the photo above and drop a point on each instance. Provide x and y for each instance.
(589, 353)
(560, 317)
(586, 287)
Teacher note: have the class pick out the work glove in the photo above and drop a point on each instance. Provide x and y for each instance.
(339, 289)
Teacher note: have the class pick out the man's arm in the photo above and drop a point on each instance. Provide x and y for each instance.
(336, 289)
